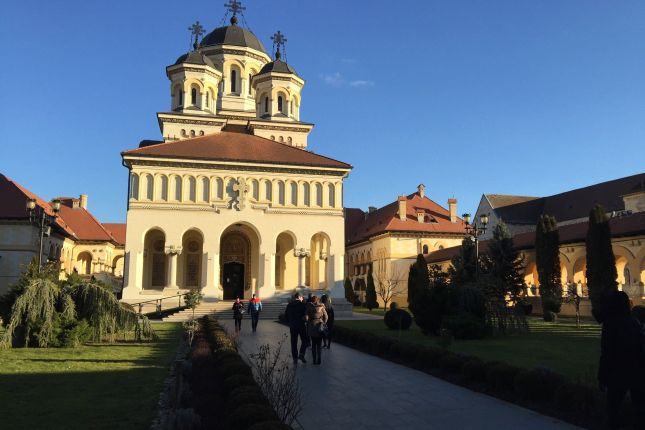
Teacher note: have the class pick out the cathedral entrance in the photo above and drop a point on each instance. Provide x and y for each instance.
(233, 284)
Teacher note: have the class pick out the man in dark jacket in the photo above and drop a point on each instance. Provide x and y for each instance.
(622, 360)
(295, 316)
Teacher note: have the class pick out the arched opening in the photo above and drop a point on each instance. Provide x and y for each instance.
(266, 104)
(148, 185)
(192, 189)
(117, 266)
(317, 275)
(332, 195)
(154, 260)
(306, 194)
(239, 261)
(293, 193)
(177, 188)
(286, 262)
(206, 190)
(190, 260)
(163, 188)
(281, 199)
(234, 80)
(268, 191)
(531, 279)
(193, 96)
(134, 186)
(255, 190)
(84, 263)
(425, 250)
(580, 275)
(319, 195)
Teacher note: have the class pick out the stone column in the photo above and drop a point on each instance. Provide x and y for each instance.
(210, 282)
(172, 269)
(301, 253)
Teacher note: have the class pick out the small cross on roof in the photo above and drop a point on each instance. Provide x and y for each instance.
(234, 6)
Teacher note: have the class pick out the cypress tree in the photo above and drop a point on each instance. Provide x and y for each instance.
(547, 258)
(370, 292)
(463, 268)
(349, 291)
(505, 264)
(422, 279)
(601, 263)
(412, 283)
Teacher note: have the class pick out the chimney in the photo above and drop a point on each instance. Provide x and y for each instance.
(402, 207)
(371, 209)
(83, 199)
(421, 216)
(452, 207)
(422, 190)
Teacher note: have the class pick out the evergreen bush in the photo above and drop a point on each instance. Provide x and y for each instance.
(465, 326)
(246, 415)
(397, 319)
(501, 376)
(236, 380)
(451, 363)
(575, 398)
(537, 384)
(547, 258)
(370, 292)
(474, 370)
(429, 358)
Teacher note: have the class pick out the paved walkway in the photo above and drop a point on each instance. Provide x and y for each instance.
(353, 390)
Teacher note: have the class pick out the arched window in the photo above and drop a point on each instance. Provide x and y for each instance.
(255, 190)
(180, 97)
(280, 103)
(250, 89)
(164, 188)
(177, 186)
(193, 96)
(208, 96)
(192, 191)
(266, 105)
(268, 191)
(319, 192)
(425, 249)
(233, 80)
(281, 193)
(332, 195)
(294, 193)
(219, 184)
(206, 191)
(149, 187)
(134, 187)
(306, 194)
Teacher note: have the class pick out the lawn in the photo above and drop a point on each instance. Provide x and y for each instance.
(558, 346)
(90, 387)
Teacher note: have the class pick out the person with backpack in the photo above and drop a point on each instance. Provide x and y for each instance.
(326, 338)
(316, 317)
(238, 313)
(295, 317)
(254, 308)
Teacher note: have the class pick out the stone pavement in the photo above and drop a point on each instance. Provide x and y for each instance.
(353, 390)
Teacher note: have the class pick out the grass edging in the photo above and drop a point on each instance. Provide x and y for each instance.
(538, 389)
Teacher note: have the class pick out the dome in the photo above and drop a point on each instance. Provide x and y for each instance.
(195, 57)
(277, 66)
(233, 35)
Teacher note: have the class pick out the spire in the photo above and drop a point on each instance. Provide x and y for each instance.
(278, 41)
(196, 30)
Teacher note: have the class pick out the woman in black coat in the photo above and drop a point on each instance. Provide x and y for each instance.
(238, 313)
(326, 339)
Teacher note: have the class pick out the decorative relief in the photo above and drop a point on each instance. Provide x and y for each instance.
(242, 189)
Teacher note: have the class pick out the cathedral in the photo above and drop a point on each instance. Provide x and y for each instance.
(230, 201)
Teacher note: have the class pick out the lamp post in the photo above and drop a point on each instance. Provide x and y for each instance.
(39, 217)
(474, 231)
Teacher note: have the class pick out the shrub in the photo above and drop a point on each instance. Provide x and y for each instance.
(243, 395)
(429, 358)
(270, 425)
(465, 326)
(381, 347)
(229, 369)
(397, 319)
(537, 384)
(451, 363)
(501, 376)
(234, 381)
(396, 350)
(226, 356)
(408, 353)
(639, 313)
(576, 398)
(75, 333)
(474, 370)
(429, 306)
(248, 414)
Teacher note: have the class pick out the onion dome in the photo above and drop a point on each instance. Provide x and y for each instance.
(278, 66)
(195, 57)
(233, 35)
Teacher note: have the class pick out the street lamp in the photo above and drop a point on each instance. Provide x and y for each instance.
(474, 231)
(39, 217)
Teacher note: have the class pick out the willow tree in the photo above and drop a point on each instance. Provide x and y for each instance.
(547, 259)
(601, 263)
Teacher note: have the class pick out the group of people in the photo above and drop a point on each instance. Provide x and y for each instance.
(254, 309)
(312, 321)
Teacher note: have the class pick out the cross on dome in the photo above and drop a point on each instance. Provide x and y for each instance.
(278, 41)
(196, 30)
(234, 6)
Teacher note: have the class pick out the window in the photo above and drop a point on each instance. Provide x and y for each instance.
(219, 184)
(255, 190)
(268, 192)
(281, 193)
(192, 191)
(208, 96)
(180, 97)
(332, 195)
(319, 195)
(206, 185)
(177, 184)
(250, 89)
(294, 194)
(279, 103)
(425, 249)
(134, 187)
(305, 194)
(233, 80)
(149, 187)
(164, 188)
(193, 96)
(266, 104)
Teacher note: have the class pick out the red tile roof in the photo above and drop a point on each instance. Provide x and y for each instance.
(117, 230)
(359, 225)
(14, 198)
(631, 225)
(229, 146)
(83, 223)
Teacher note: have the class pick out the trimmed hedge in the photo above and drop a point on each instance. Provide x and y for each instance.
(397, 319)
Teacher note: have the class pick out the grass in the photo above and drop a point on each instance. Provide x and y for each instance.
(111, 386)
(558, 346)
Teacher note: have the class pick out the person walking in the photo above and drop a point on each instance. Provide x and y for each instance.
(254, 308)
(326, 338)
(238, 313)
(622, 360)
(295, 316)
(316, 324)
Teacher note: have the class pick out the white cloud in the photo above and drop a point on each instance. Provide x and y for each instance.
(361, 83)
(334, 79)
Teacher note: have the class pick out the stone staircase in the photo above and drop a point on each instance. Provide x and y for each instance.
(222, 309)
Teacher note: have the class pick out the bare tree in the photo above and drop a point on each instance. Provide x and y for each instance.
(278, 381)
(389, 286)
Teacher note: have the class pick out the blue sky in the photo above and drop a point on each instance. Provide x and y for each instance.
(469, 97)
